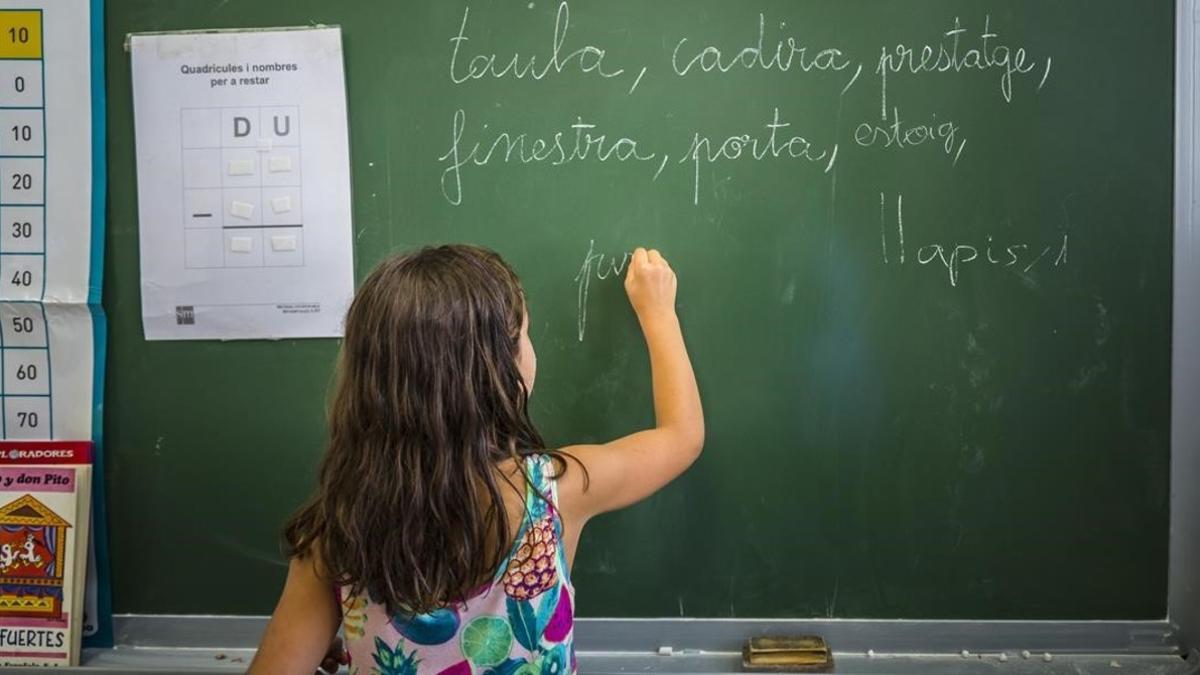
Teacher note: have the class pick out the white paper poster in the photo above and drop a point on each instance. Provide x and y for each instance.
(243, 184)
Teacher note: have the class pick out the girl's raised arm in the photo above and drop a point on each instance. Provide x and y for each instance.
(634, 467)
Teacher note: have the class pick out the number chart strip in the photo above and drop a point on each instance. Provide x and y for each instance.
(23, 156)
(48, 272)
(25, 375)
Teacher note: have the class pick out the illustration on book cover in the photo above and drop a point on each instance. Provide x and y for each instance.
(32, 554)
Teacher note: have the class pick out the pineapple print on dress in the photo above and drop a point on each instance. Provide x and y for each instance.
(532, 569)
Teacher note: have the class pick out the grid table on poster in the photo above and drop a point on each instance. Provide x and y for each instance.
(241, 187)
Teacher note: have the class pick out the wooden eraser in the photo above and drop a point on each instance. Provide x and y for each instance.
(800, 654)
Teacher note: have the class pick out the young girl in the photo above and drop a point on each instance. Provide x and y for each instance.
(442, 532)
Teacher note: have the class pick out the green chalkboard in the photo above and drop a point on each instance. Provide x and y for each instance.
(936, 364)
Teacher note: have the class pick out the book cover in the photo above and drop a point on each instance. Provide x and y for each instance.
(45, 510)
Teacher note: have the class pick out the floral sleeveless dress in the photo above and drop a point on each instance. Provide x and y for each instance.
(520, 624)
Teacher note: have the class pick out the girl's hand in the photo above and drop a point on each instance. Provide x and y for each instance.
(651, 285)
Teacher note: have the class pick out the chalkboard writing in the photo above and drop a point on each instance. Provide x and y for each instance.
(924, 252)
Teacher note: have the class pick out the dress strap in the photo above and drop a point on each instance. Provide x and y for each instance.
(540, 469)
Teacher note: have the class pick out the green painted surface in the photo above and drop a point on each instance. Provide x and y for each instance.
(882, 442)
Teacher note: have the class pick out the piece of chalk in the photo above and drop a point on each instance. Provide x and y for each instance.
(241, 244)
(279, 163)
(1003, 657)
(1025, 654)
(1114, 664)
(281, 204)
(1047, 658)
(241, 167)
(665, 651)
(241, 209)
(870, 653)
(283, 242)
(966, 654)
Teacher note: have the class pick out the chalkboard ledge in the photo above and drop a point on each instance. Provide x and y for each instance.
(225, 644)
(142, 661)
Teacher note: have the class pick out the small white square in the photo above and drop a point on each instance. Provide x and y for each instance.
(281, 204)
(242, 209)
(243, 247)
(283, 242)
(280, 164)
(241, 167)
(241, 244)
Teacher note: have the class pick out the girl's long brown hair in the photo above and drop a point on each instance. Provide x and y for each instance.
(428, 399)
